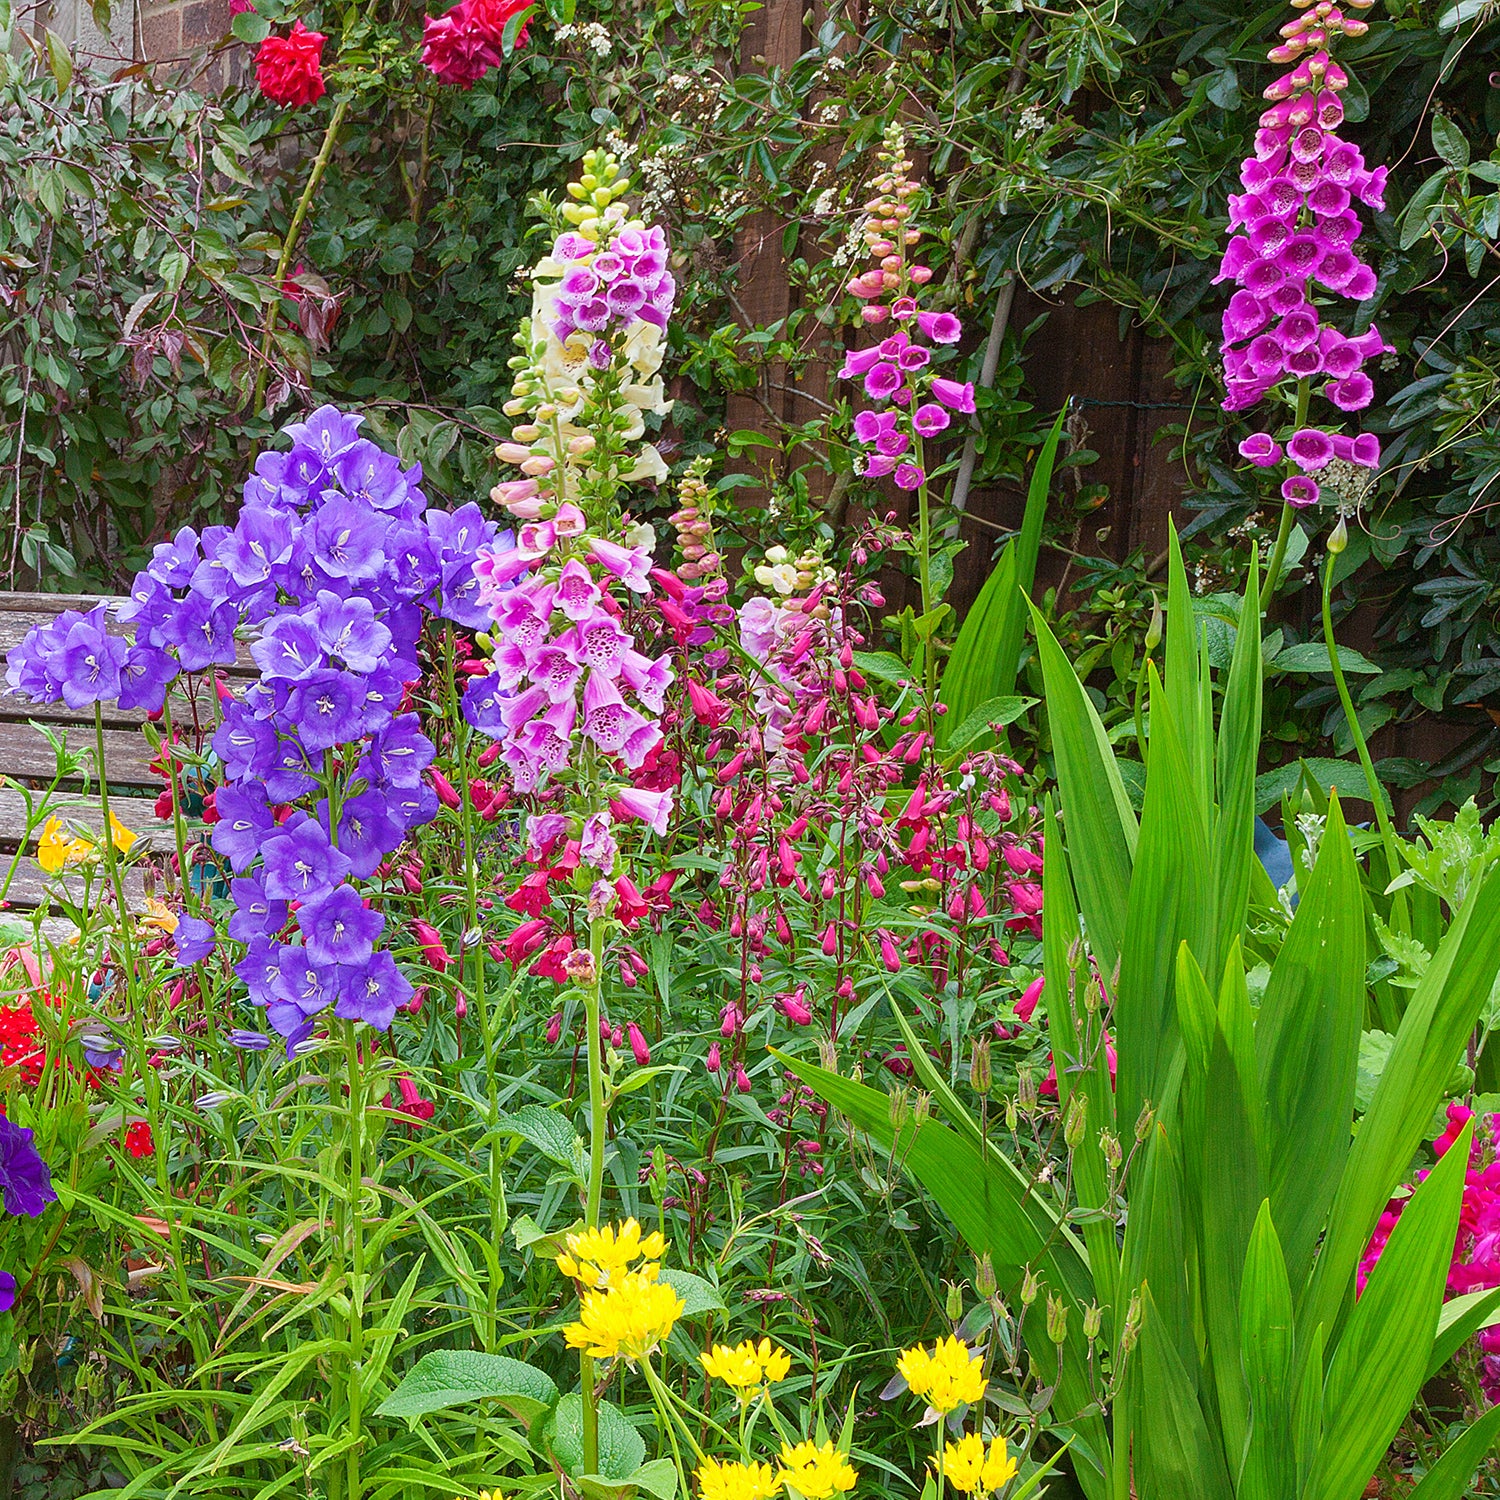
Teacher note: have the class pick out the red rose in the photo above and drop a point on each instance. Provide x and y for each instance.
(460, 46)
(289, 69)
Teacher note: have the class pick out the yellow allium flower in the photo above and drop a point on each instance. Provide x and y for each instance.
(947, 1378)
(816, 1473)
(971, 1471)
(733, 1481)
(56, 848)
(596, 1255)
(747, 1366)
(628, 1318)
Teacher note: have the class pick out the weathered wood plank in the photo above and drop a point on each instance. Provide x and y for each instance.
(127, 757)
(136, 813)
(30, 890)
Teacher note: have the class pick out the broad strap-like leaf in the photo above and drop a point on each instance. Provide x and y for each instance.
(1460, 1319)
(1175, 1457)
(1097, 819)
(1307, 1044)
(1267, 1354)
(1448, 1478)
(1380, 1360)
(1170, 902)
(1441, 1013)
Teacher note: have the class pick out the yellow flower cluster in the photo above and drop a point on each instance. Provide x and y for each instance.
(816, 1473)
(748, 1366)
(972, 1471)
(627, 1319)
(597, 1256)
(947, 1378)
(735, 1481)
(57, 848)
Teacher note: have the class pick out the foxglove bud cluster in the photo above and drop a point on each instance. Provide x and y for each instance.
(912, 401)
(1292, 252)
(693, 522)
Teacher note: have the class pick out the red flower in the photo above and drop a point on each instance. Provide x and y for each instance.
(289, 69)
(464, 43)
(138, 1140)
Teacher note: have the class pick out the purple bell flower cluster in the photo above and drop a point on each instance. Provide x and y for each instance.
(333, 564)
(565, 668)
(625, 282)
(1293, 250)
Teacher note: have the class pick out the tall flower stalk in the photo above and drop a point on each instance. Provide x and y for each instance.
(568, 696)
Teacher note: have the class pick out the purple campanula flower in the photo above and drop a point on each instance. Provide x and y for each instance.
(146, 674)
(256, 914)
(338, 928)
(7, 1291)
(348, 630)
(172, 563)
(411, 807)
(260, 542)
(345, 540)
(328, 709)
(25, 1179)
(260, 969)
(194, 940)
(250, 1041)
(309, 986)
(462, 591)
(373, 991)
(289, 649)
(289, 774)
(202, 629)
(89, 662)
(413, 559)
(328, 432)
(399, 754)
(245, 822)
(301, 864)
(367, 830)
(367, 472)
(481, 704)
(243, 743)
(300, 1038)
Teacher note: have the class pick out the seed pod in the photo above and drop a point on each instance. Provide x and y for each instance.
(1057, 1319)
(1076, 1122)
(1093, 1316)
(984, 1277)
(1143, 1122)
(980, 1076)
(1030, 1287)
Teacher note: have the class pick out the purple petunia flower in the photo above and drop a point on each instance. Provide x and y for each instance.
(25, 1179)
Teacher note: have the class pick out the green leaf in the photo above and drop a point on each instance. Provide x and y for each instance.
(250, 28)
(1233, 849)
(1449, 142)
(1312, 656)
(1307, 1043)
(884, 666)
(1175, 1458)
(621, 1447)
(976, 725)
(1379, 1363)
(548, 1131)
(1342, 776)
(658, 1478)
(60, 60)
(1459, 1320)
(1098, 823)
(1448, 1478)
(698, 1296)
(1266, 1341)
(456, 1377)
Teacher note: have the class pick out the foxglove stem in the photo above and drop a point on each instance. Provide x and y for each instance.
(1377, 792)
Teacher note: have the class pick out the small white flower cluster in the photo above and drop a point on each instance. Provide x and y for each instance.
(588, 34)
(1032, 120)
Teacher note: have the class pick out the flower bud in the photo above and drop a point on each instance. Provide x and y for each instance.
(1132, 1329)
(1093, 1316)
(1057, 1319)
(900, 1109)
(1012, 1115)
(1026, 1090)
(1109, 1147)
(1153, 630)
(984, 1277)
(1339, 538)
(955, 1302)
(980, 1076)
(1076, 1122)
(921, 1108)
(1143, 1121)
(1030, 1287)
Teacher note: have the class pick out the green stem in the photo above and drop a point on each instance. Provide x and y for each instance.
(664, 1406)
(924, 571)
(357, 1261)
(111, 859)
(1372, 782)
(592, 994)
(289, 244)
(1278, 556)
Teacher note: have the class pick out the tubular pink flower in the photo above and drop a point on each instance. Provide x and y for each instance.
(631, 565)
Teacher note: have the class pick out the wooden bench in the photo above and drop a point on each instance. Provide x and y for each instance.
(27, 760)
